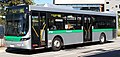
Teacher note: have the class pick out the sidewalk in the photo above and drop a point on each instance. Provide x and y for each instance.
(118, 37)
(2, 49)
(2, 45)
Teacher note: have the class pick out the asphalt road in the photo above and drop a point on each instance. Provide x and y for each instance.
(109, 49)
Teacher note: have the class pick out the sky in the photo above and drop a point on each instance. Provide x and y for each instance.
(43, 1)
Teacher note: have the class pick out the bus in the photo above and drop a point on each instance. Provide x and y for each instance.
(37, 27)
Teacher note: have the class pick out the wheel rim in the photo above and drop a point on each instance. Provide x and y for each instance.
(102, 39)
(57, 43)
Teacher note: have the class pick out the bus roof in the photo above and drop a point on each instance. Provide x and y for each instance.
(65, 9)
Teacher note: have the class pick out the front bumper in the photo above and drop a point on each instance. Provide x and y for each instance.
(20, 45)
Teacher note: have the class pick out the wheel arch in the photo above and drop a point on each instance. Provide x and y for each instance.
(103, 34)
(59, 37)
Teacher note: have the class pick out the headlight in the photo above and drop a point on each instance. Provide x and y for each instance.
(24, 39)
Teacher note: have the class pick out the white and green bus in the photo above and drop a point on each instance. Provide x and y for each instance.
(35, 27)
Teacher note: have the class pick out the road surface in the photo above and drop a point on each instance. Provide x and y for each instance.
(111, 49)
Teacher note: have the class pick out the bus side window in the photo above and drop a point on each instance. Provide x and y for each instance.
(59, 24)
(51, 23)
(53, 27)
(69, 26)
(79, 22)
(70, 22)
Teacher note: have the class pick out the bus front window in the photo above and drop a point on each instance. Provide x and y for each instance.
(16, 24)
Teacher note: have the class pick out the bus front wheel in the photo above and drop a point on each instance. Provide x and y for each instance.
(102, 38)
(56, 44)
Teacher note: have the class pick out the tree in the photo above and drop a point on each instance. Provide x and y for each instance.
(17, 2)
(2, 22)
(28, 2)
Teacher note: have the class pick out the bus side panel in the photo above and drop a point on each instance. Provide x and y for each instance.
(68, 38)
(109, 35)
(96, 35)
(114, 33)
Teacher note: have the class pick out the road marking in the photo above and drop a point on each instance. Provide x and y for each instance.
(63, 55)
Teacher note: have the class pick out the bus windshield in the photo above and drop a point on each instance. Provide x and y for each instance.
(16, 24)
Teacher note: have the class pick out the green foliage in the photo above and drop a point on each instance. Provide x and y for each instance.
(28, 2)
(17, 2)
(2, 22)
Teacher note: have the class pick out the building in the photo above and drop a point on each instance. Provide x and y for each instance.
(94, 5)
(112, 5)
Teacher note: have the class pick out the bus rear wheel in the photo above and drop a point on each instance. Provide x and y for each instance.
(56, 44)
(102, 38)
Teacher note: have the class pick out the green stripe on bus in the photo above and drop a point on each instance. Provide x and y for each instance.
(64, 31)
(100, 30)
(13, 38)
(77, 31)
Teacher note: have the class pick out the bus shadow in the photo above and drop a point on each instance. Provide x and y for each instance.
(67, 48)
(83, 45)
(27, 52)
(115, 53)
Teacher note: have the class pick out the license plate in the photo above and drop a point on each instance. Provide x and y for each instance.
(12, 46)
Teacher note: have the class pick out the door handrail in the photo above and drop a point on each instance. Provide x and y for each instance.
(35, 31)
(41, 31)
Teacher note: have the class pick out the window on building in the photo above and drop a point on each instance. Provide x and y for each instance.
(119, 6)
(107, 2)
(107, 9)
(116, 6)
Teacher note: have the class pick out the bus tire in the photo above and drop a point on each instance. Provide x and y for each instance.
(56, 44)
(102, 38)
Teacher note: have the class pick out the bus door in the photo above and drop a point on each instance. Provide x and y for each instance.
(38, 29)
(87, 29)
